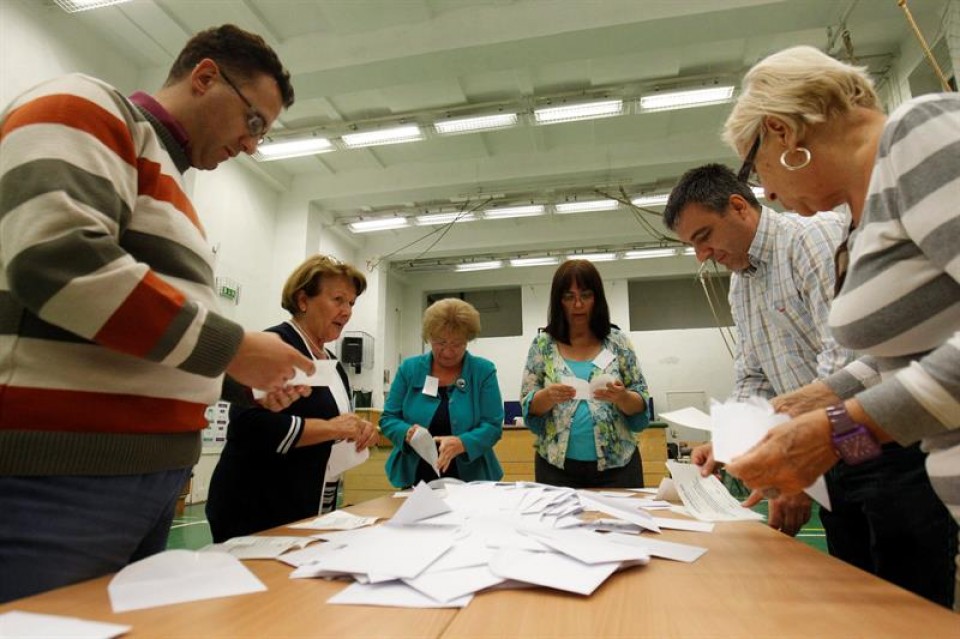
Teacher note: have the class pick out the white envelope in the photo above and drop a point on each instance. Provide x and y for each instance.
(343, 457)
(176, 576)
(30, 625)
(422, 442)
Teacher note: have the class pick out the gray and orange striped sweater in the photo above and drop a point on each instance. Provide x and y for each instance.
(109, 345)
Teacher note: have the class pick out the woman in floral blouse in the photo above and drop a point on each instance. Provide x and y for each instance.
(584, 443)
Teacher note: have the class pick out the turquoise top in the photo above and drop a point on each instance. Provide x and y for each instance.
(476, 417)
(582, 445)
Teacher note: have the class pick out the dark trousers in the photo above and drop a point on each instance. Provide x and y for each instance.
(887, 520)
(59, 530)
(584, 474)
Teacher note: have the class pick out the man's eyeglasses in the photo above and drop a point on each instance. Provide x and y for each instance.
(746, 169)
(570, 297)
(256, 123)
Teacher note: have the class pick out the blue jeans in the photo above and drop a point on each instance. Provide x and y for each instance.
(887, 520)
(59, 530)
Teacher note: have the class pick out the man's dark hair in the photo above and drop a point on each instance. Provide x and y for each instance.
(587, 277)
(710, 186)
(241, 53)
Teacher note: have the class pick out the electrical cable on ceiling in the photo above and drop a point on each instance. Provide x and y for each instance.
(441, 230)
(923, 45)
(712, 291)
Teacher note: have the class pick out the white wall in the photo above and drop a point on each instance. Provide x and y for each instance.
(39, 43)
(240, 216)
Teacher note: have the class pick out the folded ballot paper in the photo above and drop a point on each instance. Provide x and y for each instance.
(736, 427)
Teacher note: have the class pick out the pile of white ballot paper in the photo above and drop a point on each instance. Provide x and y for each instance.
(443, 546)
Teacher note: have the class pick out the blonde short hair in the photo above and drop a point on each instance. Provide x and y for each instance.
(451, 315)
(800, 85)
(308, 277)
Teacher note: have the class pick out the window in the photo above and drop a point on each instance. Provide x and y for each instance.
(678, 302)
(501, 311)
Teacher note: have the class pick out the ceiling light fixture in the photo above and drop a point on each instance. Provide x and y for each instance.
(685, 99)
(651, 200)
(478, 266)
(379, 224)
(582, 111)
(528, 210)
(444, 218)
(688, 251)
(282, 149)
(475, 123)
(534, 261)
(587, 206)
(73, 6)
(646, 254)
(393, 135)
(593, 257)
(758, 192)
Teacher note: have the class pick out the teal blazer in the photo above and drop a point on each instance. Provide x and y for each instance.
(476, 417)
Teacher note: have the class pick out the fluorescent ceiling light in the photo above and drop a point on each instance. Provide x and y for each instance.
(393, 135)
(444, 218)
(379, 224)
(587, 206)
(758, 192)
(651, 200)
(73, 6)
(645, 254)
(688, 251)
(685, 99)
(582, 111)
(534, 261)
(593, 257)
(478, 266)
(528, 210)
(292, 148)
(476, 123)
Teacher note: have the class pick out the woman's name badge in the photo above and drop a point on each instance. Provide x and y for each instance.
(603, 359)
(431, 385)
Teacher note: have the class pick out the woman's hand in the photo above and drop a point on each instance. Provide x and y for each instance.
(448, 447)
(558, 393)
(410, 432)
(355, 429)
(614, 392)
(789, 458)
(278, 400)
(803, 400)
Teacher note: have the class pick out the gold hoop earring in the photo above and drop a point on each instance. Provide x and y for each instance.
(807, 156)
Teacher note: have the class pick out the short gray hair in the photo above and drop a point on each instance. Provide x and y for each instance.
(800, 85)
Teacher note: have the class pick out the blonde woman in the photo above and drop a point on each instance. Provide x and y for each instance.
(272, 468)
(452, 394)
(812, 130)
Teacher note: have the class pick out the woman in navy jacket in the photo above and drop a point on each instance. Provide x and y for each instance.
(452, 394)
(272, 468)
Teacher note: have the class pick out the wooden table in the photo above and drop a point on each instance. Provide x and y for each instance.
(753, 582)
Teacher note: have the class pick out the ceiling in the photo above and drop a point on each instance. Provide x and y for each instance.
(358, 61)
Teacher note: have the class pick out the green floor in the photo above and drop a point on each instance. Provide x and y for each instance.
(192, 532)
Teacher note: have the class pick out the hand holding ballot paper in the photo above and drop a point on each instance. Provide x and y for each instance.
(735, 428)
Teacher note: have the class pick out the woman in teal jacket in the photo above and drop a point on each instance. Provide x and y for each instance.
(449, 393)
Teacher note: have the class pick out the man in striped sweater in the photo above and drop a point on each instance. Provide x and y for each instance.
(110, 347)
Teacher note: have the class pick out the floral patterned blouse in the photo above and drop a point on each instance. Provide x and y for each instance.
(614, 432)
